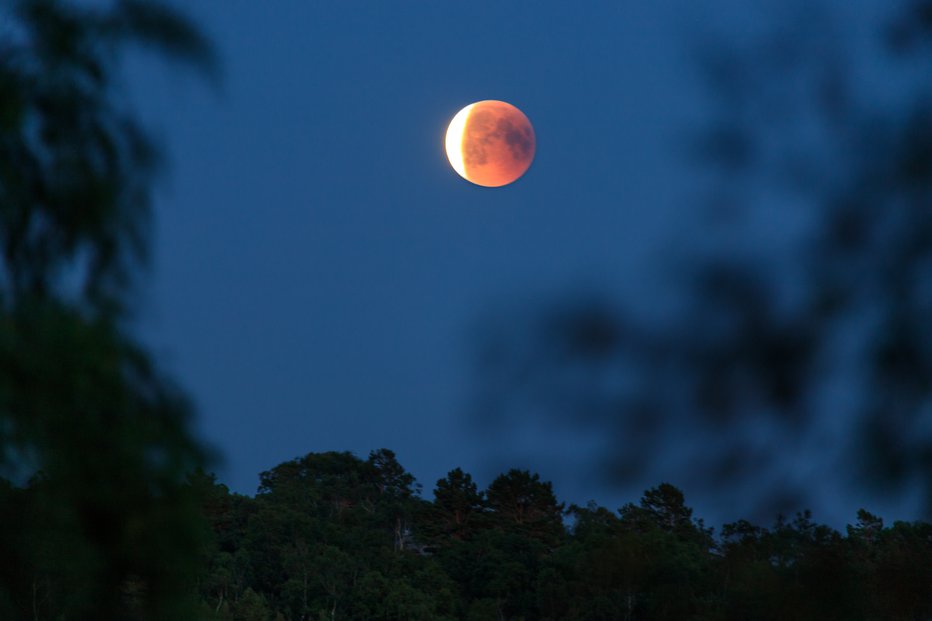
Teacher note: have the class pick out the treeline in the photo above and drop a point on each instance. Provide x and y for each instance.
(331, 536)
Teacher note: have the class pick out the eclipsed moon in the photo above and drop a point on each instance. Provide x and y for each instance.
(490, 143)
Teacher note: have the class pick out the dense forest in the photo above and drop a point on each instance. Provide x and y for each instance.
(332, 536)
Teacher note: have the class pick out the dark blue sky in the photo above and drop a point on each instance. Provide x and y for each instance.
(320, 269)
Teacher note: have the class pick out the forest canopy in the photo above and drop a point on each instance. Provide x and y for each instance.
(333, 536)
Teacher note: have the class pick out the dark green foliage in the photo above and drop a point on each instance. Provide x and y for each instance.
(99, 524)
(76, 168)
(457, 510)
(519, 502)
(107, 436)
(318, 542)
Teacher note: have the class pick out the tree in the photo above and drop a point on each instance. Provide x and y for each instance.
(397, 489)
(650, 560)
(666, 506)
(390, 477)
(76, 167)
(86, 415)
(321, 484)
(457, 509)
(520, 501)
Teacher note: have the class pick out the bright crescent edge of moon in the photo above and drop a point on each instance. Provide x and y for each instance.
(454, 140)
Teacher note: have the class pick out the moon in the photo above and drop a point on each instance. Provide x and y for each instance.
(490, 143)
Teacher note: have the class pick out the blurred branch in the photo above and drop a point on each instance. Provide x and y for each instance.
(814, 353)
(96, 438)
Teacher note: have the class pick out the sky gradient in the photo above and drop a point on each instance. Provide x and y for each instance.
(321, 272)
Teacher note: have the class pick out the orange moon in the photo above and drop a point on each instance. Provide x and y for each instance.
(490, 143)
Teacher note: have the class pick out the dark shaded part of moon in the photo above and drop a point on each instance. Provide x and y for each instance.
(517, 138)
(498, 144)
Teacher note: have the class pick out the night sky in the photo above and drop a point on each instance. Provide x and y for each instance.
(320, 271)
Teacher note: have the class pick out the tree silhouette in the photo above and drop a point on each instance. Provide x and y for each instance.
(648, 560)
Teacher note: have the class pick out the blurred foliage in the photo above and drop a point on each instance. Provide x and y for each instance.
(813, 350)
(106, 440)
(76, 168)
(97, 521)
